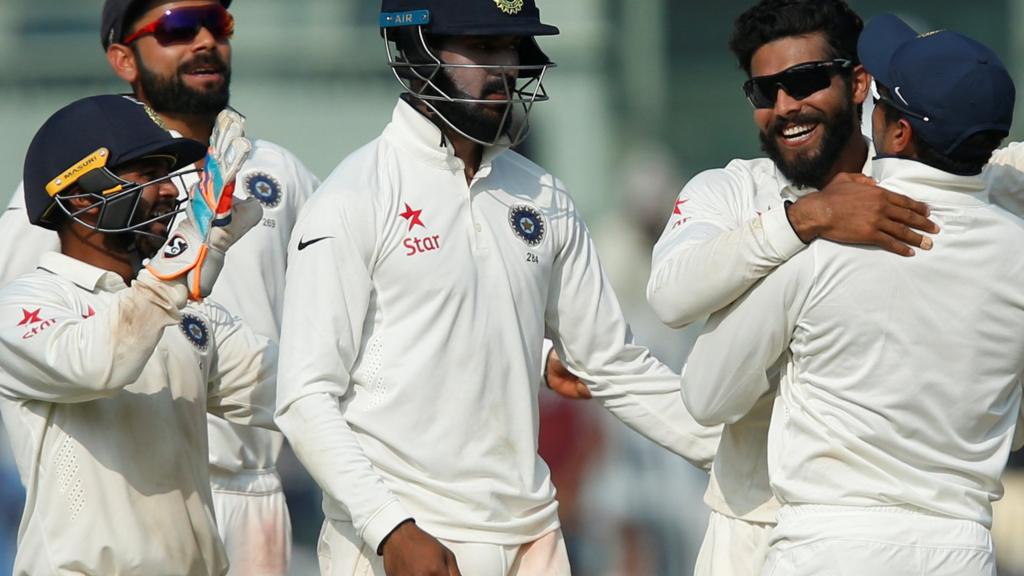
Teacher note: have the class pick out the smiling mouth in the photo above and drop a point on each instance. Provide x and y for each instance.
(797, 134)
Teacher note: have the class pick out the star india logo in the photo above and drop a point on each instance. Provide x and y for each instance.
(510, 7)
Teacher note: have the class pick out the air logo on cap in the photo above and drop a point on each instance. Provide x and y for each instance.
(927, 34)
(510, 7)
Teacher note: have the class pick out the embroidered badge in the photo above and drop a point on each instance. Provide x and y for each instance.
(527, 223)
(195, 330)
(510, 7)
(264, 188)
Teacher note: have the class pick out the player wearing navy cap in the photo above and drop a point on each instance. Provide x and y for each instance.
(108, 370)
(442, 259)
(176, 55)
(900, 393)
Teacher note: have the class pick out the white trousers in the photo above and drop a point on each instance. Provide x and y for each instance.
(876, 541)
(252, 519)
(732, 547)
(343, 553)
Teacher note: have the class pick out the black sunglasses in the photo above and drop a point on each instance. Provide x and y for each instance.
(798, 81)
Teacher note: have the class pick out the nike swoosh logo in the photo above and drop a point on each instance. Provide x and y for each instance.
(303, 244)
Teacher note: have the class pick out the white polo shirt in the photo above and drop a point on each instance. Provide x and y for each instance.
(104, 392)
(251, 284)
(901, 383)
(415, 312)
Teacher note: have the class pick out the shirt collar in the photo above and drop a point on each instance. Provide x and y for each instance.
(86, 276)
(423, 140)
(791, 191)
(927, 184)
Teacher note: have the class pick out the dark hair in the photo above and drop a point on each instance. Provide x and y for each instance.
(771, 20)
(967, 159)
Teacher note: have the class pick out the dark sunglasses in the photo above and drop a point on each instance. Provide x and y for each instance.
(798, 81)
(183, 25)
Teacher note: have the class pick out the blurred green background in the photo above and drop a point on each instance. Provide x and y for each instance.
(645, 95)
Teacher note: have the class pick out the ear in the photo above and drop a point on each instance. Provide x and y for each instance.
(122, 60)
(861, 84)
(901, 137)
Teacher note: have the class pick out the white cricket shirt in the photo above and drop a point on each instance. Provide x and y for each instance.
(728, 229)
(415, 312)
(104, 392)
(251, 284)
(901, 383)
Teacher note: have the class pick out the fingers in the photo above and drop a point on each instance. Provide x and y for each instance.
(906, 202)
(582, 391)
(912, 219)
(906, 235)
(888, 243)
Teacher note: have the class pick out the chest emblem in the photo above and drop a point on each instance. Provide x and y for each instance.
(194, 328)
(418, 244)
(511, 7)
(264, 188)
(413, 217)
(527, 223)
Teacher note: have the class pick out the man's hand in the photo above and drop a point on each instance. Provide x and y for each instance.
(409, 551)
(852, 209)
(563, 382)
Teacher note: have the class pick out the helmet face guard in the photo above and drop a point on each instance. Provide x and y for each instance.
(419, 64)
(116, 198)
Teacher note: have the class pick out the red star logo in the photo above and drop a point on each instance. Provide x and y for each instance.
(413, 216)
(30, 317)
(678, 204)
(90, 313)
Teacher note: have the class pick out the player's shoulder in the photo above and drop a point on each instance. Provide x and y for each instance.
(520, 176)
(739, 176)
(360, 175)
(272, 173)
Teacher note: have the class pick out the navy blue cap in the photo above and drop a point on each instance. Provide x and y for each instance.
(467, 17)
(957, 85)
(93, 133)
(113, 24)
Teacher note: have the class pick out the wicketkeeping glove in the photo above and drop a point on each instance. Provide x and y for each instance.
(229, 149)
(194, 252)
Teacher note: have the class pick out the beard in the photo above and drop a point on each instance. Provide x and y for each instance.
(480, 121)
(172, 96)
(810, 169)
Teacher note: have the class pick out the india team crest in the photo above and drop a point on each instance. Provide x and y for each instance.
(264, 188)
(510, 7)
(195, 330)
(527, 223)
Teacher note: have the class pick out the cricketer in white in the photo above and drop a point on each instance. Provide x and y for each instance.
(842, 433)
(247, 492)
(80, 347)
(415, 310)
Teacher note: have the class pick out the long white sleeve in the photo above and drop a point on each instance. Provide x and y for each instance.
(243, 371)
(586, 323)
(727, 371)
(55, 353)
(712, 250)
(321, 344)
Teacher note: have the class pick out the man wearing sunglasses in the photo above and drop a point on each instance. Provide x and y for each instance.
(108, 369)
(442, 260)
(176, 56)
(901, 389)
(734, 226)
